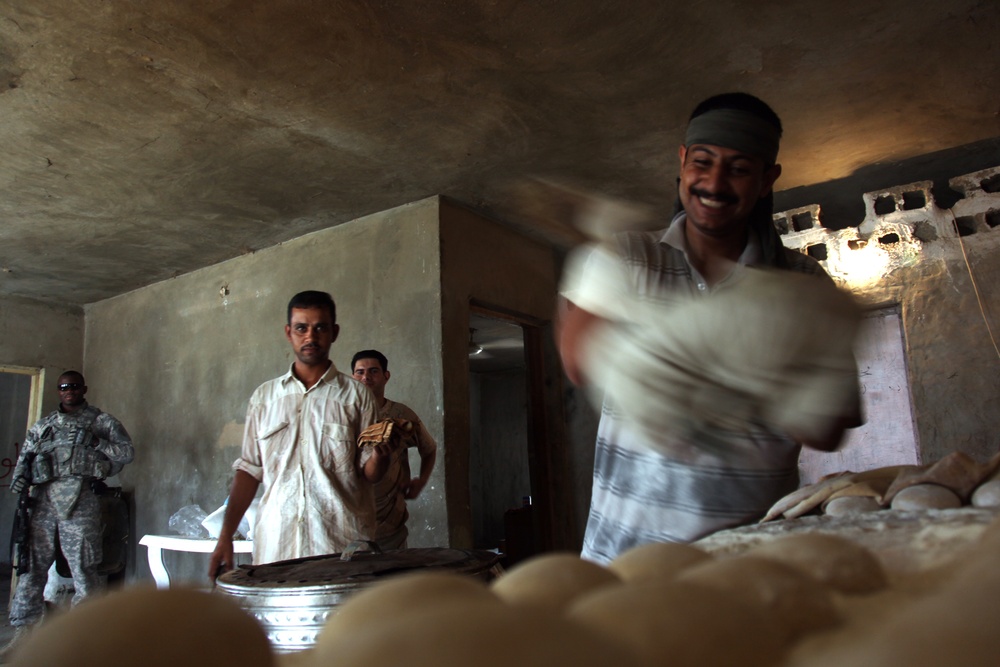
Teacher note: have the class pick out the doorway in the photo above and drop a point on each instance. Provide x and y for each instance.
(20, 407)
(508, 486)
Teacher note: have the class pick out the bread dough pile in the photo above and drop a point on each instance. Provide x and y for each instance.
(798, 604)
(946, 615)
(657, 560)
(904, 542)
(813, 599)
(954, 481)
(770, 348)
(802, 601)
(149, 627)
(450, 620)
(552, 581)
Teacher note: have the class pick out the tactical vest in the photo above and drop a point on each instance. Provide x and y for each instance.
(70, 452)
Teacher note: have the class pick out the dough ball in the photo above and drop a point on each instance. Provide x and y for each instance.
(459, 634)
(976, 565)
(925, 497)
(848, 505)
(149, 627)
(955, 626)
(551, 581)
(987, 495)
(989, 540)
(676, 624)
(798, 603)
(841, 564)
(657, 560)
(399, 596)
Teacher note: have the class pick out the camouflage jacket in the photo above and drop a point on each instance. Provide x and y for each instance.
(73, 447)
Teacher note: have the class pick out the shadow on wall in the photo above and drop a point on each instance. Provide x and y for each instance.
(841, 199)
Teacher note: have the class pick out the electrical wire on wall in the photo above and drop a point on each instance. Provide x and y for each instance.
(975, 286)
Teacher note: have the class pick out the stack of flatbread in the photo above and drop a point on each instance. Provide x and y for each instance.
(386, 431)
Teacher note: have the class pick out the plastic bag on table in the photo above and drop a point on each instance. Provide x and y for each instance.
(187, 521)
(213, 523)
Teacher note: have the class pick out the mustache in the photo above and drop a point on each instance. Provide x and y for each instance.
(725, 198)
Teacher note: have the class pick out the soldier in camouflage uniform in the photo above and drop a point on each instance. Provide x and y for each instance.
(73, 446)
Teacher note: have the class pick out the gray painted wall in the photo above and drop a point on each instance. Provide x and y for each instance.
(943, 284)
(41, 336)
(34, 337)
(489, 264)
(178, 360)
(954, 366)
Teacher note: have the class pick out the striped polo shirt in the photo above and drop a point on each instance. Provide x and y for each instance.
(671, 490)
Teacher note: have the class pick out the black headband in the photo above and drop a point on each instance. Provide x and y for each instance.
(739, 130)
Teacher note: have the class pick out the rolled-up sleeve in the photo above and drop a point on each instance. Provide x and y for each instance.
(594, 279)
(250, 460)
(367, 415)
(425, 441)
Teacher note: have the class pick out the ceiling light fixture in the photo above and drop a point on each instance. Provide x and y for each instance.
(473, 348)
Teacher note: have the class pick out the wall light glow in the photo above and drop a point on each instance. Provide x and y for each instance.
(860, 264)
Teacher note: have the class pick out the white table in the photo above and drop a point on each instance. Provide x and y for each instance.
(155, 544)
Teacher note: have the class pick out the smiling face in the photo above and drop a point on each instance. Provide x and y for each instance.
(72, 390)
(311, 332)
(370, 372)
(720, 186)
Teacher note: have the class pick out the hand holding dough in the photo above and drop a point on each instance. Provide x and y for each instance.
(771, 347)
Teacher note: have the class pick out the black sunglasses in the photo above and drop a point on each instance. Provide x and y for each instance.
(70, 385)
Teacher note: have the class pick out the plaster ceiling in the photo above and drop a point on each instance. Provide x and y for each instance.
(141, 140)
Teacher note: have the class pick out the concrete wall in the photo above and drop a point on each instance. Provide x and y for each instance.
(486, 264)
(940, 266)
(953, 362)
(177, 361)
(41, 336)
(42, 340)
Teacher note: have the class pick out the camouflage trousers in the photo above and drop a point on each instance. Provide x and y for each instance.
(80, 540)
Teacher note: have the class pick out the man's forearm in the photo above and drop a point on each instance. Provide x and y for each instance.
(574, 325)
(427, 466)
(240, 496)
(377, 464)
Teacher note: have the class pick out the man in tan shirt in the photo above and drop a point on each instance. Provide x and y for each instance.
(300, 444)
(372, 368)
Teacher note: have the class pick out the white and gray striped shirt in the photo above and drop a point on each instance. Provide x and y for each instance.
(672, 490)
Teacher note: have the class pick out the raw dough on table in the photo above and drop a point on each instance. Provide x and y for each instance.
(677, 624)
(798, 603)
(551, 581)
(926, 497)
(843, 565)
(657, 560)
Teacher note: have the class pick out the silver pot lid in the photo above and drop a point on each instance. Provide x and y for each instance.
(356, 566)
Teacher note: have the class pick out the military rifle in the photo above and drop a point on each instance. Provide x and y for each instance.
(20, 544)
